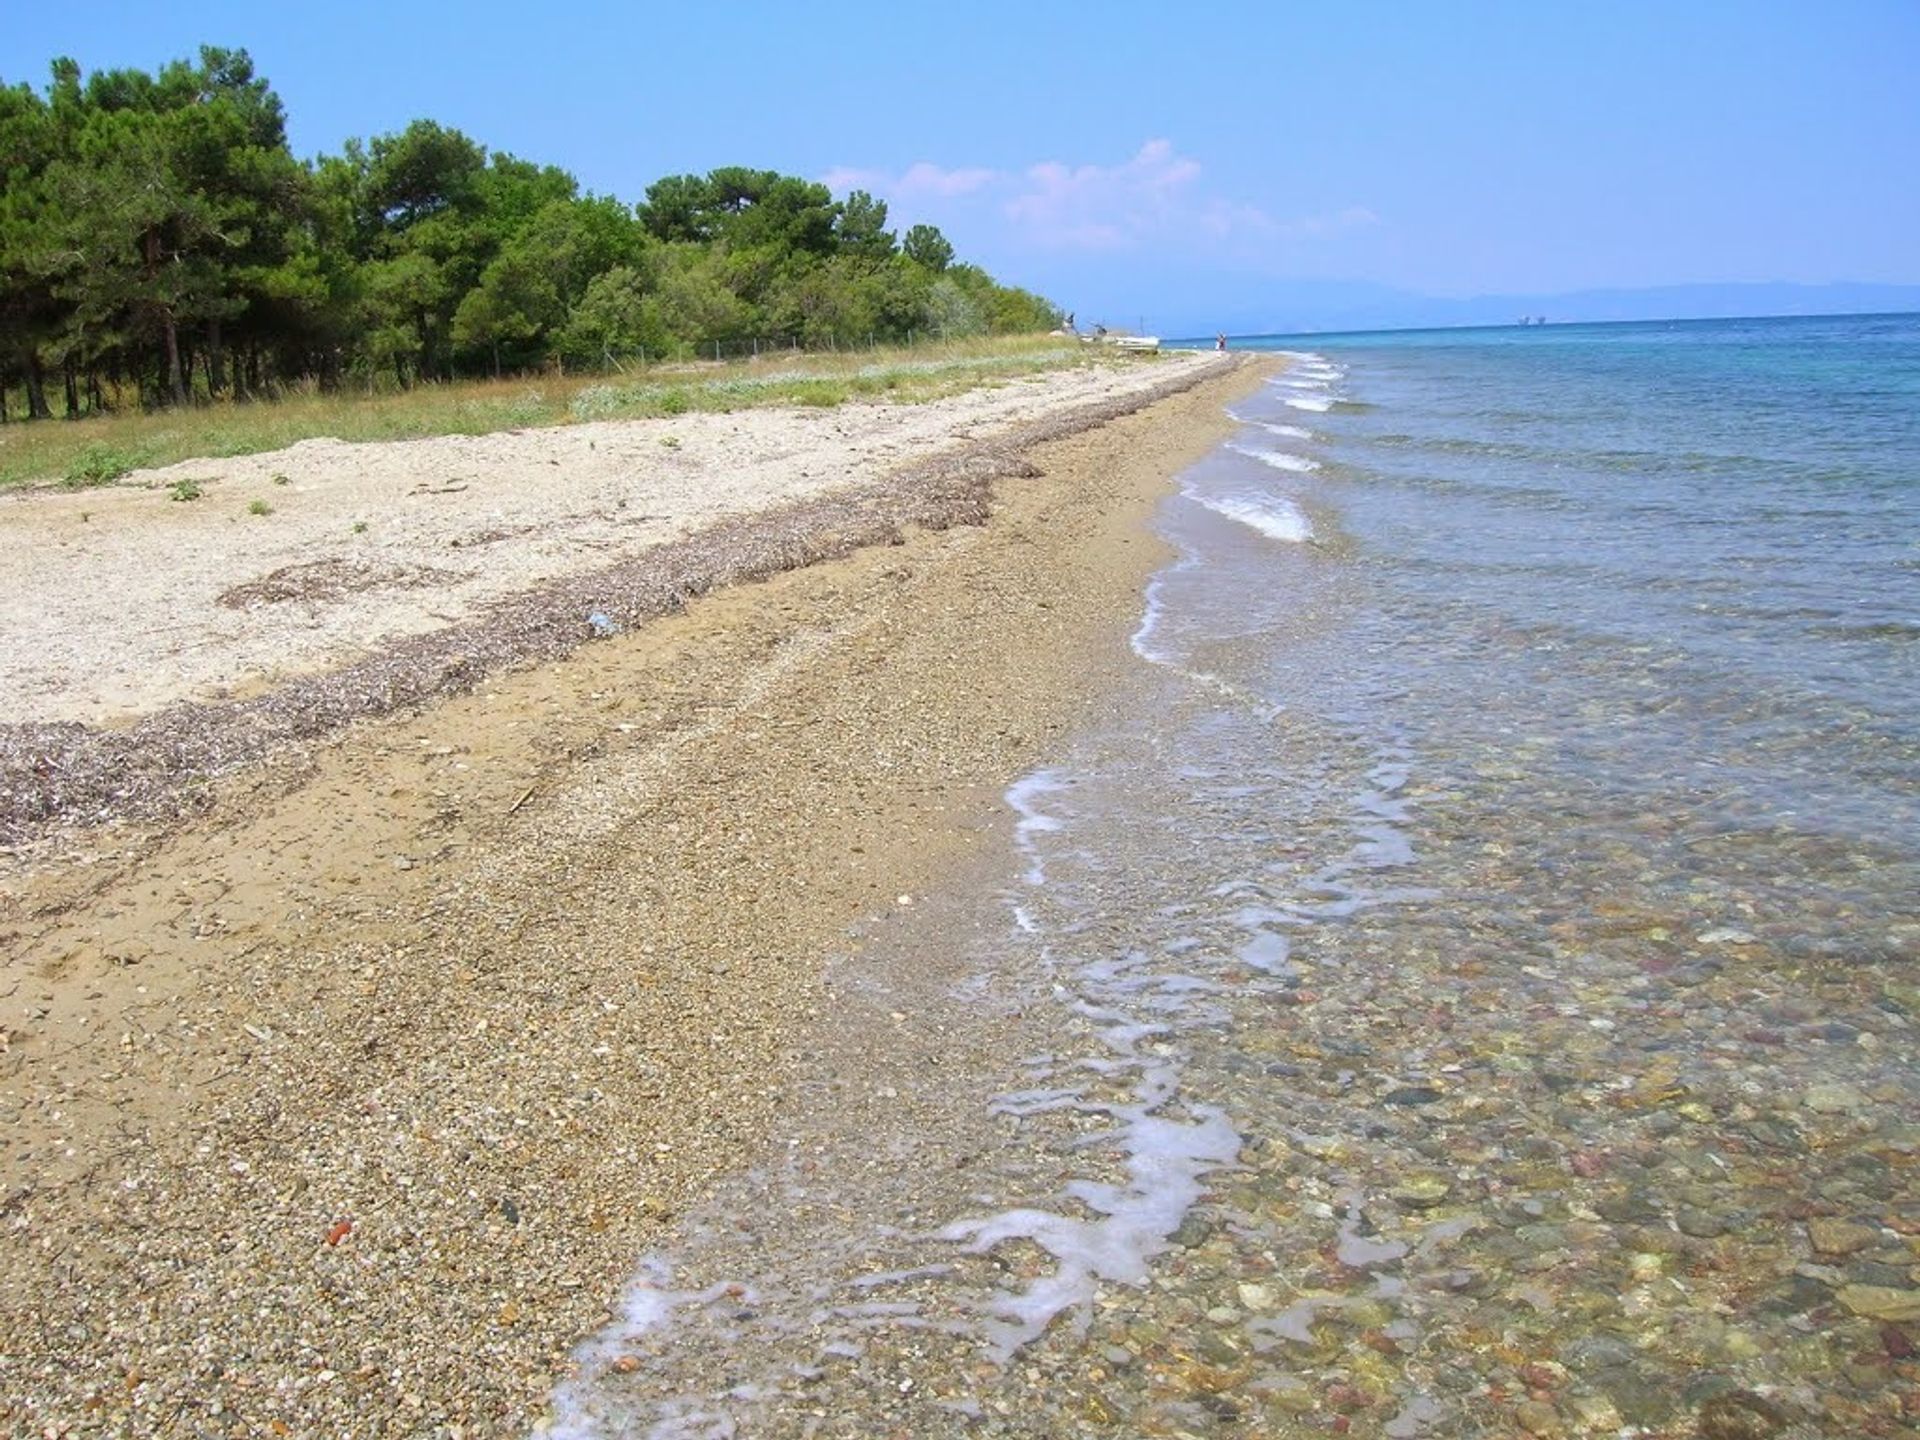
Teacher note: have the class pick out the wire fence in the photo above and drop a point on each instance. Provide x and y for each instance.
(757, 347)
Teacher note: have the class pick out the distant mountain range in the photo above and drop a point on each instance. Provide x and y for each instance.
(1327, 306)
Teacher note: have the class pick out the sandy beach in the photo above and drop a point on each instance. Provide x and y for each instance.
(346, 1106)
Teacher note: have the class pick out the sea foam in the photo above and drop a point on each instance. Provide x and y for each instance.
(1277, 459)
(1272, 516)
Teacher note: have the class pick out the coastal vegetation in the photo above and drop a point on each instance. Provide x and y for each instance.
(104, 448)
(161, 247)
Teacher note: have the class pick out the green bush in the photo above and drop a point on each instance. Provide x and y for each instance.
(100, 465)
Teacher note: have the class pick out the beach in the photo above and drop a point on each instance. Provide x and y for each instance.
(1330, 894)
(1456, 980)
(344, 1101)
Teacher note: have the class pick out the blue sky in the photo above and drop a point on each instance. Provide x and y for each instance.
(1173, 164)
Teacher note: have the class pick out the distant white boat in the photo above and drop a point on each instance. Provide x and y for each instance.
(1135, 342)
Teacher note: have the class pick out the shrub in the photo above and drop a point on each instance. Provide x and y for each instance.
(99, 465)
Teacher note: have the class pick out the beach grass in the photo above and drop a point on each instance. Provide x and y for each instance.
(99, 450)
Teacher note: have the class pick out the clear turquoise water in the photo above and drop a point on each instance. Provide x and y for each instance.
(1520, 789)
(1688, 549)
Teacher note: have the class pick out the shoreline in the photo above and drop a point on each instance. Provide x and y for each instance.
(308, 1054)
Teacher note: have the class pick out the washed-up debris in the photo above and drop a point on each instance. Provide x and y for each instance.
(64, 772)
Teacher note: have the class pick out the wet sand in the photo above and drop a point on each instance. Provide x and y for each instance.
(347, 1107)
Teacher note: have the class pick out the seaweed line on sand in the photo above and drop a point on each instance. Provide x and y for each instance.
(66, 773)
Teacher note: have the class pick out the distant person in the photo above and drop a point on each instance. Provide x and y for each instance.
(1072, 329)
(1220, 341)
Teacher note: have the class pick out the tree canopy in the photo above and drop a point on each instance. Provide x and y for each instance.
(158, 239)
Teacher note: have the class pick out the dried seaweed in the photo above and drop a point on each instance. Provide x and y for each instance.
(66, 773)
(324, 581)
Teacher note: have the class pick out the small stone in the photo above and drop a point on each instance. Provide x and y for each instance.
(1596, 1412)
(1537, 1417)
(1725, 935)
(1422, 1192)
(1411, 1095)
(1596, 1352)
(1740, 1415)
(1739, 1345)
(1880, 1302)
(1193, 1232)
(1833, 1099)
(1256, 1297)
(1701, 1224)
(1839, 1237)
(1642, 1400)
(403, 862)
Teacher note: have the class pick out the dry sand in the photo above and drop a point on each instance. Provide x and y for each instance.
(346, 1108)
(116, 602)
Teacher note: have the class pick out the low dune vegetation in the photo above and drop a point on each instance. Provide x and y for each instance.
(108, 446)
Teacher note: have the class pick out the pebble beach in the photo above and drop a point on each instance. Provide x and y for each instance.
(345, 1107)
(1130, 923)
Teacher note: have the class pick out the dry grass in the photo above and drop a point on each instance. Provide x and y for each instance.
(99, 450)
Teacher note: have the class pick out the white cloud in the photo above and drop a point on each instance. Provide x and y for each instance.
(925, 179)
(920, 179)
(1156, 197)
(1103, 207)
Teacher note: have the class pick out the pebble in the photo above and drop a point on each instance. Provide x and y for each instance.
(1833, 1099)
(1880, 1302)
(1740, 1415)
(1422, 1192)
(1839, 1237)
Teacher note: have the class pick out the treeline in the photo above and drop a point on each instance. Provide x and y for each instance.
(159, 240)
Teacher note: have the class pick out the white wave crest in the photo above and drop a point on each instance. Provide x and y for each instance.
(1272, 516)
(1277, 459)
(1318, 404)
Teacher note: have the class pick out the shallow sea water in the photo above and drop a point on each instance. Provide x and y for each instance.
(1466, 986)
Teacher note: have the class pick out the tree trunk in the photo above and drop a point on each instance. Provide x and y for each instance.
(496, 359)
(216, 358)
(72, 380)
(96, 402)
(37, 408)
(239, 380)
(3, 402)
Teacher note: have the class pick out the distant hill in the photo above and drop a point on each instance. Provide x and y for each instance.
(1316, 306)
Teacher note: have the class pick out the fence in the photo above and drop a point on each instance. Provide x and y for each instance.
(755, 347)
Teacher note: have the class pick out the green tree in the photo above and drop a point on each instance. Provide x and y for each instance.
(926, 246)
(155, 229)
(30, 312)
(863, 228)
(613, 319)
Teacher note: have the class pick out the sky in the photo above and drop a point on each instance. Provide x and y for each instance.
(1178, 167)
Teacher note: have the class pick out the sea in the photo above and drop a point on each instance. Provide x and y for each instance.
(1465, 983)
